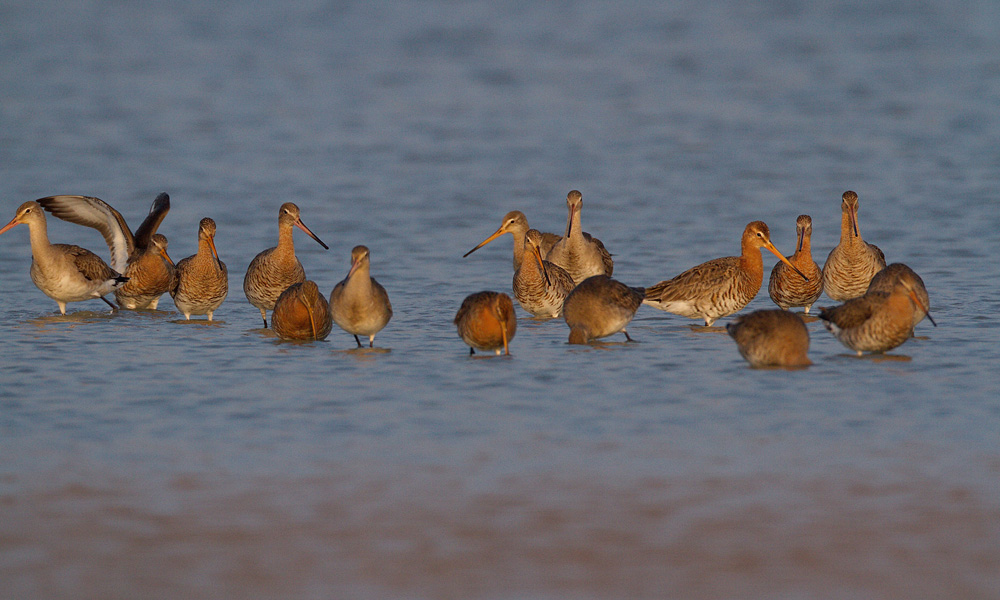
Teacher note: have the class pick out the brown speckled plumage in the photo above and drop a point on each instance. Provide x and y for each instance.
(851, 265)
(141, 257)
(718, 287)
(273, 270)
(151, 274)
(202, 279)
(540, 287)
(786, 287)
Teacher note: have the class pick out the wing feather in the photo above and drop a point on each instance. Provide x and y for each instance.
(97, 214)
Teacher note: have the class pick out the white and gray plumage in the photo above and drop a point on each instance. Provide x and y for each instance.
(63, 272)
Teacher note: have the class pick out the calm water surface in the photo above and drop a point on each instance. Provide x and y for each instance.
(143, 456)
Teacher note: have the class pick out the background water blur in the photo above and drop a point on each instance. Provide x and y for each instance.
(145, 457)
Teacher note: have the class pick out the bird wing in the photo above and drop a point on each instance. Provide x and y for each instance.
(854, 312)
(558, 276)
(548, 241)
(694, 281)
(878, 251)
(609, 263)
(89, 264)
(145, 231)
(98, 214)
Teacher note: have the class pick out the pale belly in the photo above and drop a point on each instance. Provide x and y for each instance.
(68, 285)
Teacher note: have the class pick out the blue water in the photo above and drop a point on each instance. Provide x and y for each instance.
(141, 456)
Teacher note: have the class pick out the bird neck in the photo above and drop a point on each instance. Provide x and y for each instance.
(204, 250)
(752, 263)
(847, 232)
(529, 270)
(573, 230)
(805, 251)
(38, 233)
(577, 335)
(519, 252)
(361, 278)
(286, 242)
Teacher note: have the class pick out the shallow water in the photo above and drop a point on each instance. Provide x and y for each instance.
(145, 456)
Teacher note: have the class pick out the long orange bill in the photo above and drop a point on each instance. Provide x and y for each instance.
(503, 333)
(913, 296)
(303, 227)
(167, 256)
(771, 247)
(497, 234)
(13, 223)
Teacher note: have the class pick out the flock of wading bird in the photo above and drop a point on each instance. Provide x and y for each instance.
(568, 275)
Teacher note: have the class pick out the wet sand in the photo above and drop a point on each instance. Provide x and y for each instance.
(425, 534)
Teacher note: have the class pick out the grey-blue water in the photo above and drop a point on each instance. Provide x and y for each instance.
(145, 457)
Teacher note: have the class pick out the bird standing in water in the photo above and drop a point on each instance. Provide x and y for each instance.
(274, 269)
(301, 313)
(581, 254)
(788, 288)
(141, 257)
(63, 272)
(359, 304)
(853, 262)
(202, 279)
(719, 287)
(540, 287)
